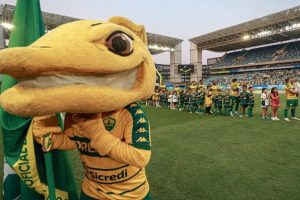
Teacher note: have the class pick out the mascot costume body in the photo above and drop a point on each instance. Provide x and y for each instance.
(95, 71)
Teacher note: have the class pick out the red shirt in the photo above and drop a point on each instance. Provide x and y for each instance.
(275, 99)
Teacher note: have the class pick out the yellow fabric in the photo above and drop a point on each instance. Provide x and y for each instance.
(208, 99)
(193, 87)
(214, 89)
(233, 87)
(114, 152)
(79, 49)
(202, 86)
(177, 89)
(288, 93)
(117, 156)
(26, 168)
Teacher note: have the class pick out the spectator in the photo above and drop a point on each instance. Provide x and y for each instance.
(275, 103)
(264, 103)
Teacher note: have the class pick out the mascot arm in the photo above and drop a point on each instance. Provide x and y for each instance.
(42, 126)
(58, 141)
(62, 142)
(107, 144)
(135, 150)
(126, 153)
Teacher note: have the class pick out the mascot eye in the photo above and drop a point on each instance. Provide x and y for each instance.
(120, 43)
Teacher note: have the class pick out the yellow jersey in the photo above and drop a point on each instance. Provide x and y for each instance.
(288, 93)
(177, 89)
(193, 87)
(233, 87)
(208, 99)
(214, 89)
(202, 86)
(119, 174)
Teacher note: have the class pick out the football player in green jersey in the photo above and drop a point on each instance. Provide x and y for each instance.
(181, 100)
(243, 101)
(227, 101)
(200, 100)
(218, 102)
(291, 99)
(163, 99)
(250, 101)
(186, 100)
(192, 102)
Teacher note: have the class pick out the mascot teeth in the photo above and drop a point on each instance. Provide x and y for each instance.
(122, 80)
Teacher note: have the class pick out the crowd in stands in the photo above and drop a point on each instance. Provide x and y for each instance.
(275, 77)
(292, 51)
(286, 51)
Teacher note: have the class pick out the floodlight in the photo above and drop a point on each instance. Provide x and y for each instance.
(246, 37)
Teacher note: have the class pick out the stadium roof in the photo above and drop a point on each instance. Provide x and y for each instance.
(276, 27)
(157, 43)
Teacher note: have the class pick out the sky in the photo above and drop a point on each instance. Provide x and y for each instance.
(183, 19)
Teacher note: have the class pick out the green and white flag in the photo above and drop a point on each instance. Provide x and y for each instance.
(21, 152)
(11, 183)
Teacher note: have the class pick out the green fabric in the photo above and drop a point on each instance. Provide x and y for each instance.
(11, 186)
(28, 26)
(286, 111)
(237, 105)
(292, 103)
(243, 103)
(244, 95)
(218, 110)
(250, 111)
(293, 111)
(227, 110)
(192, 107)
(218, 101)
(250, 99)
(140, 125)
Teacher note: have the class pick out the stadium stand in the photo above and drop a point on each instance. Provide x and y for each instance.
(275, 77)
(292, 51)
(286, 51)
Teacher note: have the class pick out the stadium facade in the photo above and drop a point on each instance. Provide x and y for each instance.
(265, 44)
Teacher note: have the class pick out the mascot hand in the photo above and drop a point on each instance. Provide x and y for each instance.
(44, 125)
(89, 125)
(92, 127)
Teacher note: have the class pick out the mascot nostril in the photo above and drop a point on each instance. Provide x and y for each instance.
(96, 75)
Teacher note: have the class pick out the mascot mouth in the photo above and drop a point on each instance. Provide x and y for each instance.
(122, 80)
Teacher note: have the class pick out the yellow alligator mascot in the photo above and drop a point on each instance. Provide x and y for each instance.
(95, 71)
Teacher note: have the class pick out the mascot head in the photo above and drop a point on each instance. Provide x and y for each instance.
(82, 67)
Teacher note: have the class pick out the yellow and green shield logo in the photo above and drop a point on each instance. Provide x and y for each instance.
(109, 123)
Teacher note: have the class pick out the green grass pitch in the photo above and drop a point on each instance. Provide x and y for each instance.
(216, 157)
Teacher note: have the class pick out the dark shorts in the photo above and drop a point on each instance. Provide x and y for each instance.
(234, 99)
(251, 105)
(244, 105)
(292, 103)
(201, 103)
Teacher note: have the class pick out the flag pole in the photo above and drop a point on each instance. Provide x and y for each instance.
(49, 163)
(50, 175)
